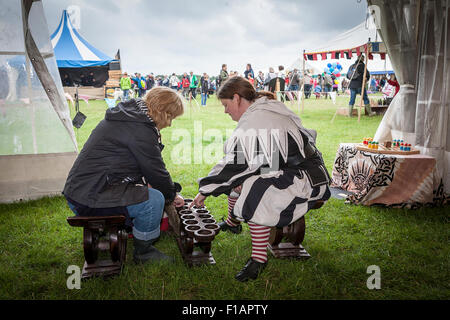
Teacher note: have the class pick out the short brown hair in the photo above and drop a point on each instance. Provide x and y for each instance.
(243, 88)
(164, 105)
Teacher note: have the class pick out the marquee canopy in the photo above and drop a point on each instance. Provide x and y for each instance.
(351, 42)
(72, 50)
(348, 45)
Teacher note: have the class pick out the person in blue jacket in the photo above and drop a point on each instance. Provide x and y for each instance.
(249, 70)
(141, 84)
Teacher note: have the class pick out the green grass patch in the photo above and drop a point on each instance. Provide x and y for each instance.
(411, 247)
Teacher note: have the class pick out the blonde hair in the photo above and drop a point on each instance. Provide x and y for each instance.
(163, 105)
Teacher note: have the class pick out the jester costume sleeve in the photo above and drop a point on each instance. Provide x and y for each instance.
(275, 159)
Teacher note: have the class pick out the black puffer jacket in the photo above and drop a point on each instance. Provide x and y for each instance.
(121, 150)
(357, 82)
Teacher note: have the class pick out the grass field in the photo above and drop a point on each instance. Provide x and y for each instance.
(410, 247)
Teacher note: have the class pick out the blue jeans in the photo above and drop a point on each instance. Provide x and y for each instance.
(354, 92)
(293, 87)
(204, 97)
(125, 95)
(146, 215)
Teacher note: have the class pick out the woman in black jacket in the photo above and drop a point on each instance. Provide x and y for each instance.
(120, 169)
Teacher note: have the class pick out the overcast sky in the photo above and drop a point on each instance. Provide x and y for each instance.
(168, 36)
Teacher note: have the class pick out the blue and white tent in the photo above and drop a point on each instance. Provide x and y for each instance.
(72, 50)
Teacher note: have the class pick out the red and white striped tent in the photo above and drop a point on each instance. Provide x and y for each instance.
(348, 45)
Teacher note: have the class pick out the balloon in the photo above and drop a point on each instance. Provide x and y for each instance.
(329, 65)
(339, 67)
(331, 69)
(336, 82)
(334, 64)
(338, 75)
(325, 70)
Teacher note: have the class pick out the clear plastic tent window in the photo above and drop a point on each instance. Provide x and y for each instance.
(417, 37)
(29, 123)
(37, 141)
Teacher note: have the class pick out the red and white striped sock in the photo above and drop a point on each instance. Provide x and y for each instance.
(230, 221)
(260, 240)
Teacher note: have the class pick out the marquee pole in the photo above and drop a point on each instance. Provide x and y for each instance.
(303, 91)
(364, 80)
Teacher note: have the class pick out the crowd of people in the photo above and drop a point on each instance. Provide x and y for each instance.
(280, 80)
(190, 85)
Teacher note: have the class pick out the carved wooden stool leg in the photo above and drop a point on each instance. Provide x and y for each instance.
(114, 245)
(90, 242)
(188, 245)
(205, 246)
(276, 235)
(297, 231)
(123, 240)
(294, 233)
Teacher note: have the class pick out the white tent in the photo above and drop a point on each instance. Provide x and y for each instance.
(311, 68)
(37, 142)
(417, 37)
(351, 39)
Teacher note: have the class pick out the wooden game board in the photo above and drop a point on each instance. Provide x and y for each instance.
(384, 150)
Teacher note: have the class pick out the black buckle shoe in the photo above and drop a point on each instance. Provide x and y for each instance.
(225, 227)
(251, 270)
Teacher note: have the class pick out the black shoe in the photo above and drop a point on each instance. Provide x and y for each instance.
(251, 270)
(225, 227)
(144, 251)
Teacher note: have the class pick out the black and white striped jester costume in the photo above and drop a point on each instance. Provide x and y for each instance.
(275, 160)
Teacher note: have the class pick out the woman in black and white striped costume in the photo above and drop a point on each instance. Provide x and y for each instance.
(272, 171)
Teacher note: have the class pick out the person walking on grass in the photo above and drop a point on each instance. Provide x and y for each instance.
(223, 76)
(355, 74)
(259, 81)
(125, 86)
(174, 81)
(307, 85)
(204, 82)
(249, 72)
(141, 84)
(185, 85)
(327, 84)
(193, 84)
(264, 189)
(294, 83)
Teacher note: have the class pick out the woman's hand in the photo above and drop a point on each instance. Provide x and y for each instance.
(199, 201)
(178, 201)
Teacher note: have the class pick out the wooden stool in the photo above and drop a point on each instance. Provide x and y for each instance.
(294, 235)
(102, 234)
